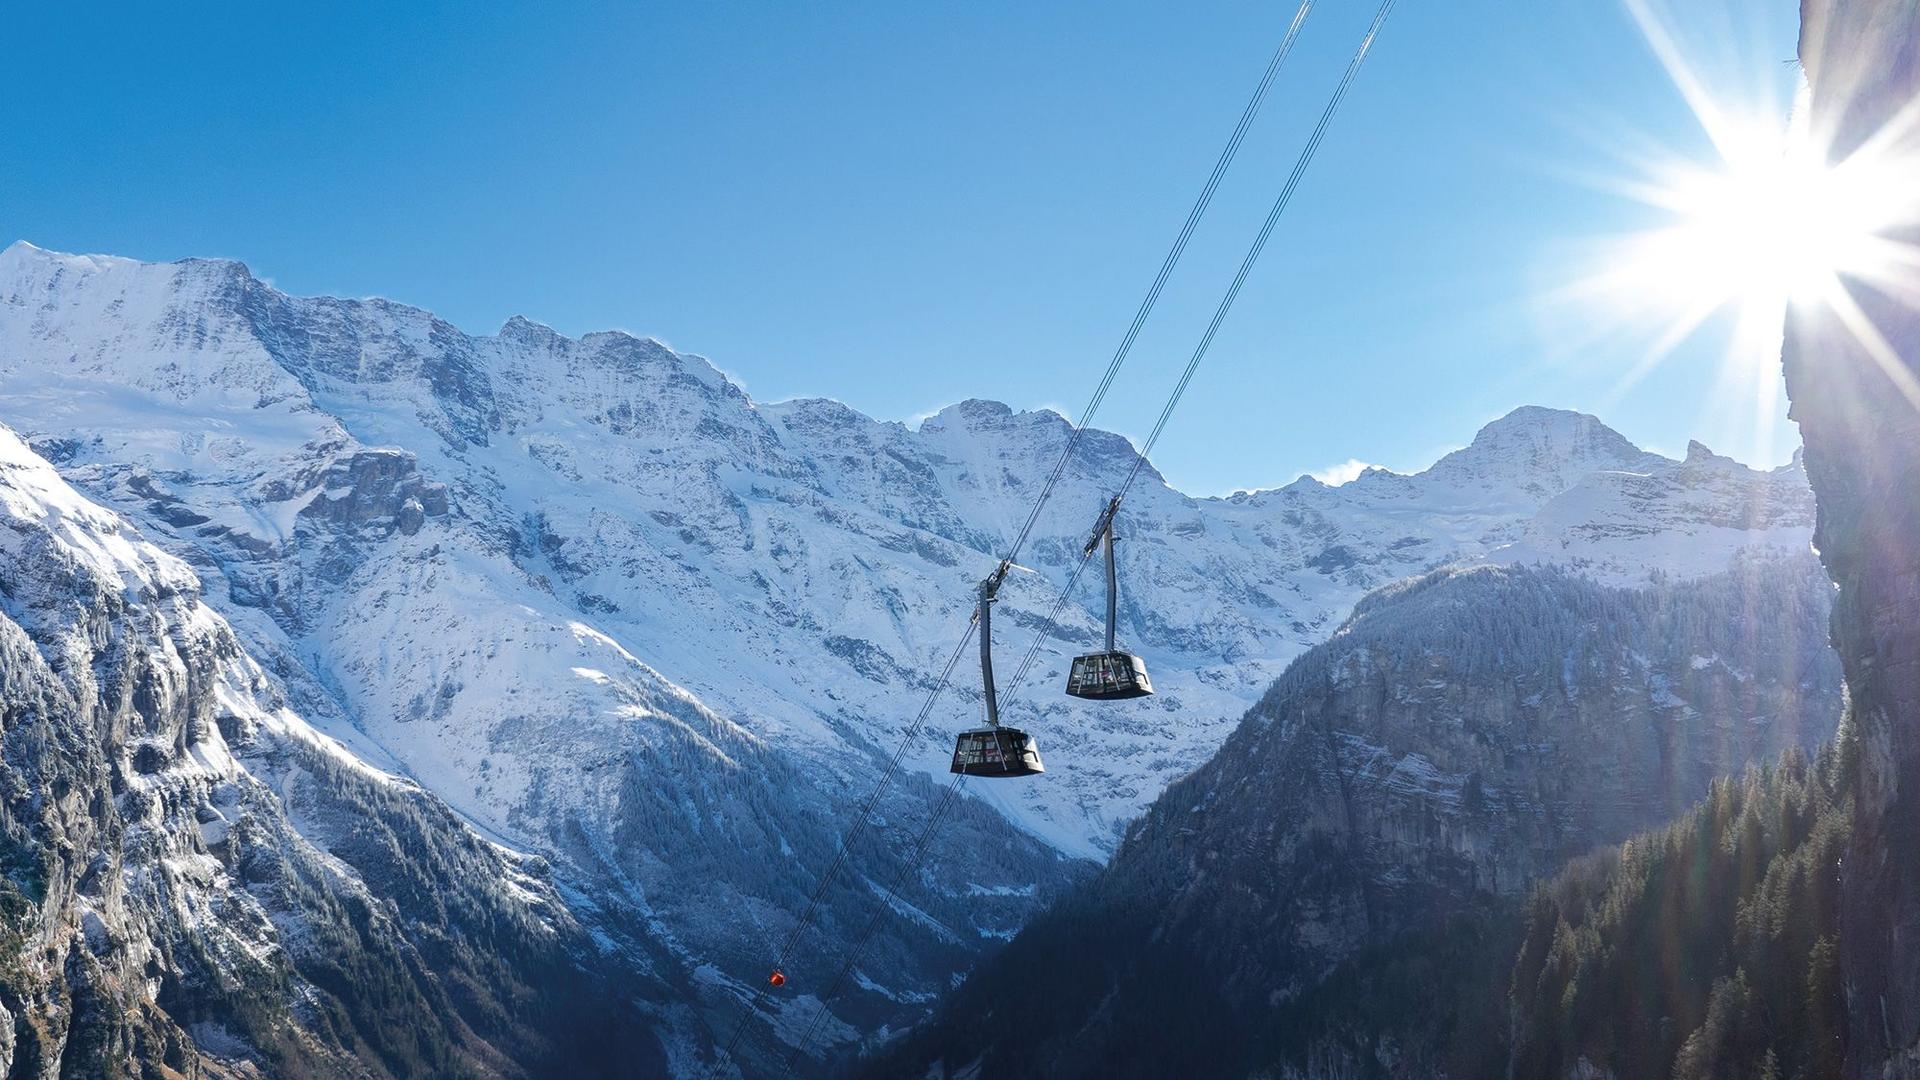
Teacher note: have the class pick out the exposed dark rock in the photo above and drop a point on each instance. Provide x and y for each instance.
(373, 488)
(161, 914)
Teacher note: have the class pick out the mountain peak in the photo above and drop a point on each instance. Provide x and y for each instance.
(1701, 459)
(222, 267)
(22, 253)
(970, 413)
(636, 354)
(1540, 452)
(823, 411)
(1560, 432)
(521, 328)
(1534, 421)
(1699, 454)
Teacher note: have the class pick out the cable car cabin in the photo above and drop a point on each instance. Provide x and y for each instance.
(1108, 676)
(996, 752)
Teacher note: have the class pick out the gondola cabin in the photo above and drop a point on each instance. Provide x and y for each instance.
(1108, 676)
(996, 752)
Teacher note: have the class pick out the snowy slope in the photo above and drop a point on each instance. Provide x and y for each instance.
(191, 868)
(436, 620)
(1682, 521)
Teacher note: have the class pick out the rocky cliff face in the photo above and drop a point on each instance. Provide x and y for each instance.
(1460, 737)
(1862, 435)
(193, 881)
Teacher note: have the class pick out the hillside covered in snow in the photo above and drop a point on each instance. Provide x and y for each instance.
(615, 612)
(194, 881)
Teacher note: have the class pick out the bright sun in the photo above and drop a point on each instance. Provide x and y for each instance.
(1768, 224)
(1760, 228)
(1770, 221)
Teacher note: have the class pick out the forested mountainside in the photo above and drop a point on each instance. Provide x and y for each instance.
(616, 613)
(1706, 949)
(1378, 818)
(1780, 915)
(197, 883)
(1767, 933)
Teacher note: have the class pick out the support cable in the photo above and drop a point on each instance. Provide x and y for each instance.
(1167, 264)
(1173, 400)
(1114, 365)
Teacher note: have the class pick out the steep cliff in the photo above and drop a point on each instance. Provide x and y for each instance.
(1850, 375)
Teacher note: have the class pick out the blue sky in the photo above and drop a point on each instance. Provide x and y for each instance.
(903, 205)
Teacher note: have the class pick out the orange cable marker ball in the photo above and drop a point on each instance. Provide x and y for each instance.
(778, 978)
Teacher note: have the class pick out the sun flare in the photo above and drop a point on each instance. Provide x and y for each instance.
(1771, 218)
(1768, 224)
(1759, 229)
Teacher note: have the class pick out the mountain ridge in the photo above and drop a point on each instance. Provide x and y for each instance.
(197, 880)
(1461, 737)
(1498, 433)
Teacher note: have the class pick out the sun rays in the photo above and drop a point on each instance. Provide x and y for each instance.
(1772, 218)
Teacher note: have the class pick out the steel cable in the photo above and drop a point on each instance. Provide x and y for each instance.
(1180, 387)
(1147, 304)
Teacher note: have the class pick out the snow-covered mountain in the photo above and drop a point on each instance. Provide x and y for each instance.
(798, 566)
(616, 612)
(197, 882)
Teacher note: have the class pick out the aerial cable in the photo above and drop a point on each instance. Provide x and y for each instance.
(1260, 241)
(1166, 270)
(1186, 377)
(1114, 365)
(1053, 616)
(947, 798)
(1279, 206)
(1219, 316)
(954, 787)
(866, 809)
(846, 844)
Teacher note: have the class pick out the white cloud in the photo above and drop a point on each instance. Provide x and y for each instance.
(1346, 471)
